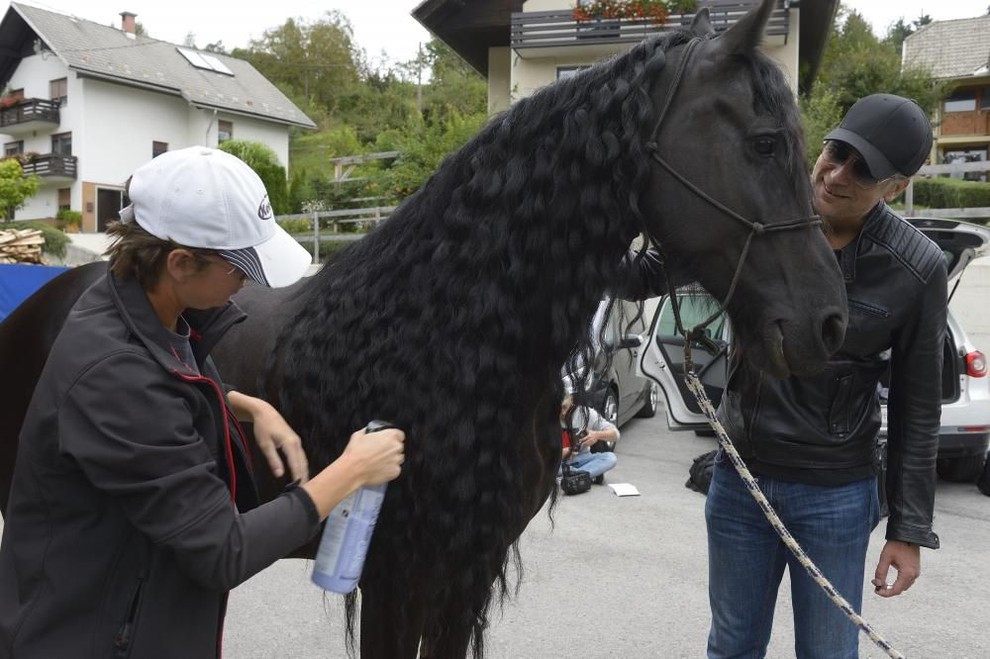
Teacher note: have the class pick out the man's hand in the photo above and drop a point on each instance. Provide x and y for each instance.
(904, 557)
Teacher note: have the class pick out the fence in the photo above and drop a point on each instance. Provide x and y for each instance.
(361, 218)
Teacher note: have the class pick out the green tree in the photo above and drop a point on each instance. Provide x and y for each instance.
(315, 61)
(264, 162)
(856, 64)
(423, 148)
(15, 188)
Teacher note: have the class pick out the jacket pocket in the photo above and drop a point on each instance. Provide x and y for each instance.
(123, 641)
(839, 410)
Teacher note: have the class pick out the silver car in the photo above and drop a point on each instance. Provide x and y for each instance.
(616, 388)
(965, 427)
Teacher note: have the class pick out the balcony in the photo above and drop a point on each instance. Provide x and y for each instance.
(965, 124)
(556, 33)
(51, 167)
(28, 115)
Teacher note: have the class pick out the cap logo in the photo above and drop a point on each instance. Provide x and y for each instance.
(265, 209)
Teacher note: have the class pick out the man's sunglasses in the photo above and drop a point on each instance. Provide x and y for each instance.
(838, 153)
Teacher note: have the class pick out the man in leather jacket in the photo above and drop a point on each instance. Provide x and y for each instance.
(811, 441)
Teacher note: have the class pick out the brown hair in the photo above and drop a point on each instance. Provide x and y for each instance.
(135, 253)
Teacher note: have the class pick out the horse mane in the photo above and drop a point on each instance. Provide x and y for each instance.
(453, 319)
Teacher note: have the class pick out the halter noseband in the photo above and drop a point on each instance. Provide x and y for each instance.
(697, 333)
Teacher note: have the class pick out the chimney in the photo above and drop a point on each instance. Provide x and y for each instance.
(127, 22)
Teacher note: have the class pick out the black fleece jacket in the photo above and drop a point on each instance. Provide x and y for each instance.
(132, 509)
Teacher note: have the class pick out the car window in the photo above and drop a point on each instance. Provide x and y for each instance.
(694, 309)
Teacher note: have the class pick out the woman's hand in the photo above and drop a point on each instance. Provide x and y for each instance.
(376, 457)
(274, 436)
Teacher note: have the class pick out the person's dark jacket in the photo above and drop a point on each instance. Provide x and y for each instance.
(122, 535)
(823, 429)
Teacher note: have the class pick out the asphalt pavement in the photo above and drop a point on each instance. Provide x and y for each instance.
(627, 577)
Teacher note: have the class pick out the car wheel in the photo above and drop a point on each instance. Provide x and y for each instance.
(960, 470)
(610, 410)
(652, 400)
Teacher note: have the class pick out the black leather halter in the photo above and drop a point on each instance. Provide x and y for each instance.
(755, 228)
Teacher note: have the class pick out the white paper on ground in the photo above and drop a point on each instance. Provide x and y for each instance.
(624, 489)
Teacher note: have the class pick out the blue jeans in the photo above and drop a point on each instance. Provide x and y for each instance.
(746, 561)
(595, 464)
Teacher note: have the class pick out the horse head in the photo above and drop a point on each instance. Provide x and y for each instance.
(732, 199)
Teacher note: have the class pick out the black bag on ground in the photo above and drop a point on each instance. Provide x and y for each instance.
(574, 481)
(700, 472)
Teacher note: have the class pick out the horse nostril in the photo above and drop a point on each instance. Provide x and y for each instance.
(833, 332)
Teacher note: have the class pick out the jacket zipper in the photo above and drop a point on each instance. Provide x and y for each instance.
(122, 642)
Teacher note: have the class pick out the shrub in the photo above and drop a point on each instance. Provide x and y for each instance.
(951, 193)
(297, 226)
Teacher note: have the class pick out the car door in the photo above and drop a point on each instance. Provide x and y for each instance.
(662, 358)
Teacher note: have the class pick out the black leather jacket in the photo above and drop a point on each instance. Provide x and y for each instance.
(823, 429)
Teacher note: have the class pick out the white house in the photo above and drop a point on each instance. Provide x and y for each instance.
(85, 104)
(521, 45)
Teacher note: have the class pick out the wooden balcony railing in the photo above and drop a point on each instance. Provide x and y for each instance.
(29, 109)
(542, 29)
(49, 165)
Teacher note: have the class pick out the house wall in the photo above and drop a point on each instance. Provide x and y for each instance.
(526, 75)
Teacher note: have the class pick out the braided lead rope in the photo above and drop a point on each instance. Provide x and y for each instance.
(723, 439)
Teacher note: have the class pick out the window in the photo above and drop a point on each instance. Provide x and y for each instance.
(58, 91)
(225, 131)
(158, 148)
(13, 148)
(65, 199)
(961, 101)
(564, 72)
(985, 99)
(62, 144)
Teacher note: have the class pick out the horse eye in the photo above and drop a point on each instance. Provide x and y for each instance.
(765, 145)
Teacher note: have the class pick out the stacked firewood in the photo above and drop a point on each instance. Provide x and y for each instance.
(21, 245)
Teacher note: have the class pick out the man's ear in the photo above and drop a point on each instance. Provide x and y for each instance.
(896, 188)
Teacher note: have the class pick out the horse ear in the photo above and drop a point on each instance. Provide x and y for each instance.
(746, 35)
(701, 25)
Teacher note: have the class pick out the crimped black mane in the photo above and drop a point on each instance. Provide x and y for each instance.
(453, 320)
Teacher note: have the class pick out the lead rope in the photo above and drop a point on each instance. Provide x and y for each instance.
(754, 489)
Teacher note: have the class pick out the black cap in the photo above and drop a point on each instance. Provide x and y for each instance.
(891, 133)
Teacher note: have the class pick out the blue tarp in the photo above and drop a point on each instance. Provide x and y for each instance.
(19, 281)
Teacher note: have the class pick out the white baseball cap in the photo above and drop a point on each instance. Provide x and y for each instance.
(208, 199)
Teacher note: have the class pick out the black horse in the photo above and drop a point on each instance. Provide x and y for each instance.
(453, 319)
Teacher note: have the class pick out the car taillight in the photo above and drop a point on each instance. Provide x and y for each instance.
(976, 364)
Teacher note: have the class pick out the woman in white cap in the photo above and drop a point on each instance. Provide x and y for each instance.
(133, 509)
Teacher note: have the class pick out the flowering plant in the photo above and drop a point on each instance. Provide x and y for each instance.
(656, 11)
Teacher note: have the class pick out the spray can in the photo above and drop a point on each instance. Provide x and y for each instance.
(347, 534)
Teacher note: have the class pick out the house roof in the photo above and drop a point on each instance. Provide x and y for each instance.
(99, 51)
(471, 27)
(951, 49)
